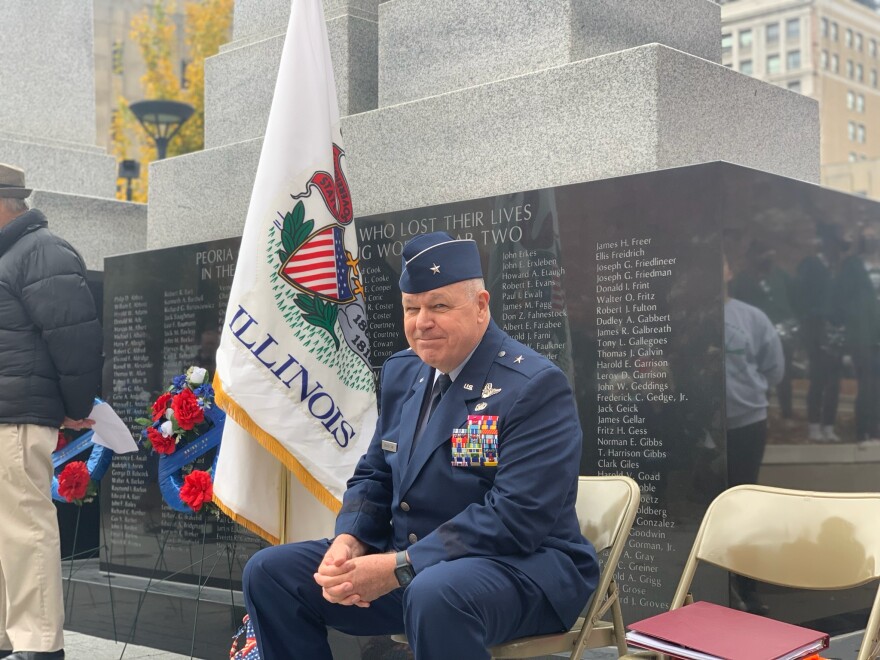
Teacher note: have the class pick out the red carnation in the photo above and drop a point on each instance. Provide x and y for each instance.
(62, 441)
(160, 406)
(187, 410)
(161, 444)
(73, 482)
(197, 489)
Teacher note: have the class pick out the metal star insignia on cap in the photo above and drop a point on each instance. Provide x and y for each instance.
(435, 269)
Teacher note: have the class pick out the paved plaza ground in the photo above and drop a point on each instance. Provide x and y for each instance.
(84, 647)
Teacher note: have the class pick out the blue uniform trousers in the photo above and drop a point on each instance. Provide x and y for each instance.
(453, 609)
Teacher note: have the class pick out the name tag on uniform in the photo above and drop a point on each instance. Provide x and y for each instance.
(477, 444)
(387, 445)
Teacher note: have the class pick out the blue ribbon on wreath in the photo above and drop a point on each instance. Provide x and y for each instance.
(171, 466)
(98, 463)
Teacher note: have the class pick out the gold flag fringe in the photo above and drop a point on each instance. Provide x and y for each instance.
(270, 444)
(244, 522)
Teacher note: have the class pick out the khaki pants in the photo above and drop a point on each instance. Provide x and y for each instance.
(31, 602)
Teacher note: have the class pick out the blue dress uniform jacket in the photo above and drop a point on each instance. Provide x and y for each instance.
(520, 513)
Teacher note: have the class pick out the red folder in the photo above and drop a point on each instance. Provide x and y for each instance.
(711, 632)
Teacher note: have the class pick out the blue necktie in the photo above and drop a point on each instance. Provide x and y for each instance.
(440, 386)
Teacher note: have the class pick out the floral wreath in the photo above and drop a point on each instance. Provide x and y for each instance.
(77, 482)
(184, 425)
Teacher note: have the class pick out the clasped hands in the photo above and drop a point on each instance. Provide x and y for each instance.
(349, 576)
(77, 424)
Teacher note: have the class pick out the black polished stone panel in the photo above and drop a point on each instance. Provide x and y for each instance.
(619, 283)
(163, 312)
(645, 277)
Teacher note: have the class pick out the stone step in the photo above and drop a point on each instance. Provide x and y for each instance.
(255, 20)
(51, 167)
(428, 47)
(96, 227)
(638, 110)
(240, 82)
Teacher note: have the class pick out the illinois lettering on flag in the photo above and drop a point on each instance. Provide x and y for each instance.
(293, 371)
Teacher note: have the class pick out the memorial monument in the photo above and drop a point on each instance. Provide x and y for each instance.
(576, 141)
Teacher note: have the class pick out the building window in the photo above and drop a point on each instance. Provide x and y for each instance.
(793, 61)
(860, 103)
(825, 27)
(851, 131)
(874, 78)
(745, 66)
(793, 28)
(184, 80)
(835, 63)
(860, 133)
(860, 73)
(872, 48)
(859, 41)
(849, 68)
(833, 32)
(726, 43)
(848, 38)
(794, 86)
(823, 59)
(773, 64)
(850, 100)
(772, 33)
(852, 157)
(117, 56)
(745, 38)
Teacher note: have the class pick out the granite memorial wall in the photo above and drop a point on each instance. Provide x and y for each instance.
(619, 282)
(163, 313)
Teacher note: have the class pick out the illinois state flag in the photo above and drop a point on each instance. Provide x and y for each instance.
(293, 370)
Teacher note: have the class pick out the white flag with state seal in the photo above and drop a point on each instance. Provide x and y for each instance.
(293, 372)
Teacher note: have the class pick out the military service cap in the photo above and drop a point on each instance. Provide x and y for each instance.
(434, 260)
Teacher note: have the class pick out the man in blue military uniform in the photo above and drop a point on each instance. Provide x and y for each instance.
(458, 526)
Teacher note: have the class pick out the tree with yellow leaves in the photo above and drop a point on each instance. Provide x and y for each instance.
(207, 25)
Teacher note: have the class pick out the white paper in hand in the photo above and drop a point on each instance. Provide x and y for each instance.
(110, 430)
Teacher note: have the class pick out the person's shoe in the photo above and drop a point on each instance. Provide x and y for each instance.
(37, 655)
(815, 433)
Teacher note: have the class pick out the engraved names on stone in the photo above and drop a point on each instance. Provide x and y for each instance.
(524, 274)
(158, 326)
(131, 368)
(633, 329)
(533, 309)
(381, 311)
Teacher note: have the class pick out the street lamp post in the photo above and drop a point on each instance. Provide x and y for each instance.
(161, 120)
(128, 170)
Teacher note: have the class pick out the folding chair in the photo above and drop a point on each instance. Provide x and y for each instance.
(792, 538)
(606, 508)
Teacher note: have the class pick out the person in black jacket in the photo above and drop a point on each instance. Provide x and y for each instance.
(50, 367)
